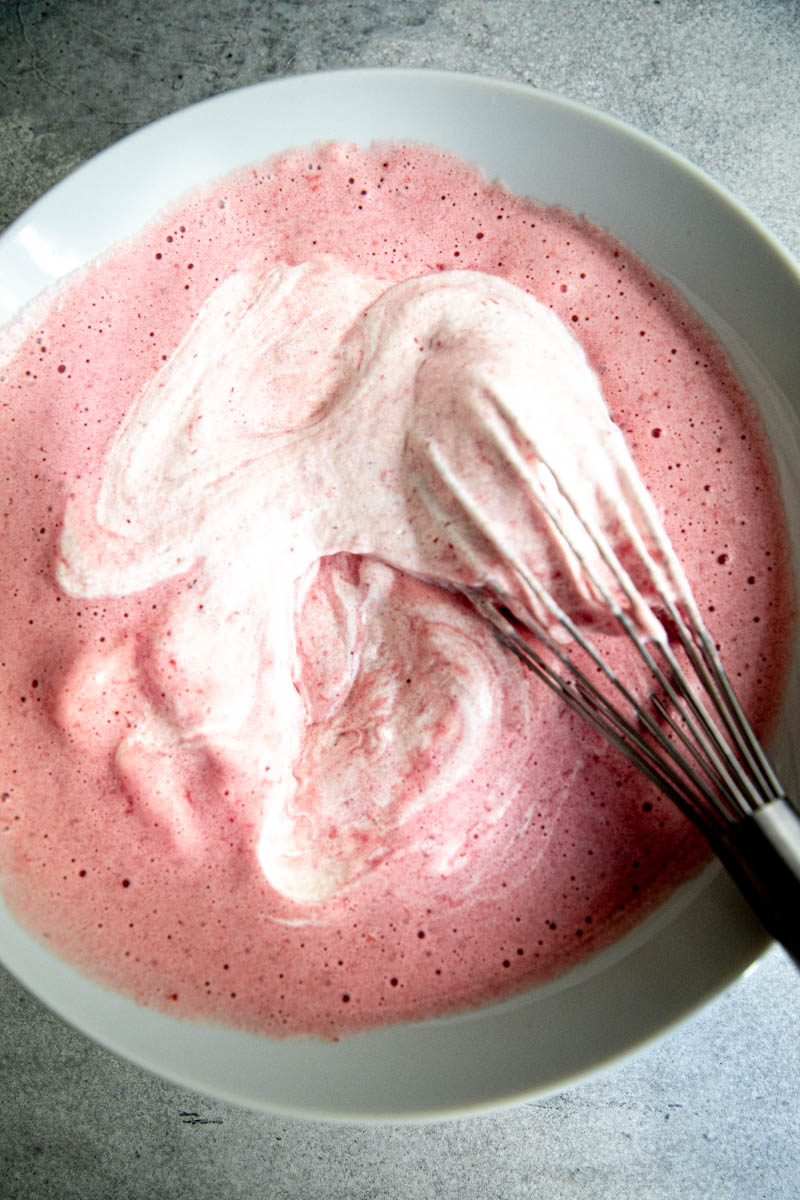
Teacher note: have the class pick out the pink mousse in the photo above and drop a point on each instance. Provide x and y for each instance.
(147, 875)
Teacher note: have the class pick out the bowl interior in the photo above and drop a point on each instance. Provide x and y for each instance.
(742, 282)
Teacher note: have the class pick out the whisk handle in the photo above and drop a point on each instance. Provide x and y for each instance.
(762, 854)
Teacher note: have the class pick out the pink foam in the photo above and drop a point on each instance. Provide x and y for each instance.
(159, 893)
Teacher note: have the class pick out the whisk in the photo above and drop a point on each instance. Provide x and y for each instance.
(689, 734)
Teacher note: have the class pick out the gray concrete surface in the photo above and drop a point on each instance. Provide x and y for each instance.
(713, 1111)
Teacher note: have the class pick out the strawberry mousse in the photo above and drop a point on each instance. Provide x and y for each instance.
(256, 764)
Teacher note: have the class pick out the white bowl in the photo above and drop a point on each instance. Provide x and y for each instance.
(742, 281)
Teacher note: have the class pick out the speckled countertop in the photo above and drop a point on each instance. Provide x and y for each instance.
(713, 1111)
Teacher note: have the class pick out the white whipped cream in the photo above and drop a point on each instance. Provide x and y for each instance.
(295, 422)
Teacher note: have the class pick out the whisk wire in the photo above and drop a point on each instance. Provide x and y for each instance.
(760, 781)
(749, 746)
(593, 707)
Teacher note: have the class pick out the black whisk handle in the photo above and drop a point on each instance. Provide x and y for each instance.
(762, 854)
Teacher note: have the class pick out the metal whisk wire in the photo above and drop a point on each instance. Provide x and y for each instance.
(693, 742)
